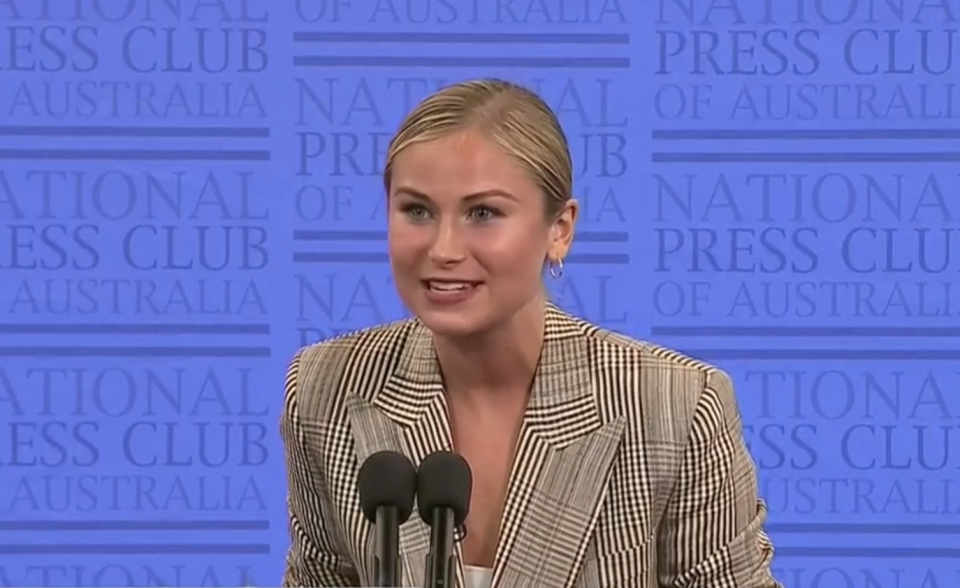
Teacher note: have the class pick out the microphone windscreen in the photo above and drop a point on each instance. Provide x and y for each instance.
(387, 478)
(444, 480)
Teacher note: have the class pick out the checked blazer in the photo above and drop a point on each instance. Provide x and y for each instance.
(631, 470)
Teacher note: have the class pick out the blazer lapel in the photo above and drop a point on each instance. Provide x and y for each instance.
(562, 466)
(560, 473)
(408, 414)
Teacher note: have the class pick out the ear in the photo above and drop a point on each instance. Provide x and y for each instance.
(561, 233)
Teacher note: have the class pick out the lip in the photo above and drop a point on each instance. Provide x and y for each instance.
(448, 280)
(451, 297)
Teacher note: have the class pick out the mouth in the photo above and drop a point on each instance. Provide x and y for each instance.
(445, 286)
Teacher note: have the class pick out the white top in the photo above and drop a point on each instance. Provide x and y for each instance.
(475, 577)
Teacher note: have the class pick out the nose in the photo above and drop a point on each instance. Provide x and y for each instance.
(447, 247)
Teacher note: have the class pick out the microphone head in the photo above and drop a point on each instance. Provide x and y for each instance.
(387, 478)
(444, 481)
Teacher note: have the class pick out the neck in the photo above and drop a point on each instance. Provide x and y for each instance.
(502, 361)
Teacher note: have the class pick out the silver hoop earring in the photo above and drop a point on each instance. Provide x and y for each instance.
(556, 269)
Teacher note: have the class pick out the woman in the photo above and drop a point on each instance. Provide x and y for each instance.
(597, 460)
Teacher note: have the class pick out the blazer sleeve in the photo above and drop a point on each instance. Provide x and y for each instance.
(312, 559)
(711, 535)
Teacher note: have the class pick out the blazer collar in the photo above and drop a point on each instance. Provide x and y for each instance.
(417, 381)
(561, 469)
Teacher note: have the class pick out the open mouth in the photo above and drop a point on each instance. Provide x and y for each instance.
(436, 286)
(445, 292)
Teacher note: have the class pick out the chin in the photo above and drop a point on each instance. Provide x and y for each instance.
(453, 325)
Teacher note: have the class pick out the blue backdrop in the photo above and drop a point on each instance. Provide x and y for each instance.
(190, 190)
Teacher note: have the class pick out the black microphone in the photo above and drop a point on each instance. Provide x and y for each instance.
(388, 484)
(444, 483)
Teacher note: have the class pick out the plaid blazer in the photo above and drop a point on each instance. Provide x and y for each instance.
(631, 469)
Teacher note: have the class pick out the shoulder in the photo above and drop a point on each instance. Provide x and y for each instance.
(619, 352)
(380, 342)
(355, 361)
(669, 385)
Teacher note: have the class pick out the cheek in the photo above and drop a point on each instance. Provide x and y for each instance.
(405, 242)
(512, 249)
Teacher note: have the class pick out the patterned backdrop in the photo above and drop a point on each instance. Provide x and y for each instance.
(190, 190)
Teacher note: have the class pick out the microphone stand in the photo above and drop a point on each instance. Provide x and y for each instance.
(387, 568)
(440, 568)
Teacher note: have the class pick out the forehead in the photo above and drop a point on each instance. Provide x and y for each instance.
(459, 164)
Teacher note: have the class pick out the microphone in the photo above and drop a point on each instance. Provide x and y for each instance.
(444, 483)
(387, 484)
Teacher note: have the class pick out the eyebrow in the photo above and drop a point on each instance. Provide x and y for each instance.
(475, 196)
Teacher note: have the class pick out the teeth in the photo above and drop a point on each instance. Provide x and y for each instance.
(448, 286)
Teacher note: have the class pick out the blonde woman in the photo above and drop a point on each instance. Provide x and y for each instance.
(597, 460)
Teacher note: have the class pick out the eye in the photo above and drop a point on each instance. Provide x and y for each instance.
(415, 211)
(483, 213)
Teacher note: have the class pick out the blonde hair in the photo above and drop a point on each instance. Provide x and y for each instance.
(513, 117)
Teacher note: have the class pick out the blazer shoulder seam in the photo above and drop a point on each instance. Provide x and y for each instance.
(651, 350)
(350, 340)
(323, 368)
